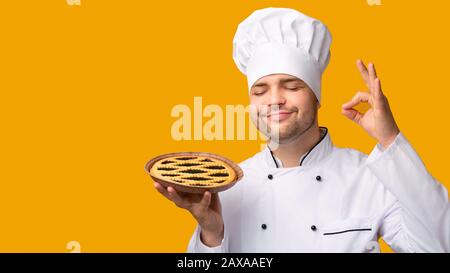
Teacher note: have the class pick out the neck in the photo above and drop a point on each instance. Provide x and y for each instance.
(290, 152)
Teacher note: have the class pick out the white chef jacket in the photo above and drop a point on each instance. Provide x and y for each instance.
(337, 200)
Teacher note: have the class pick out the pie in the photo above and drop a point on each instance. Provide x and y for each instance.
(194, 170)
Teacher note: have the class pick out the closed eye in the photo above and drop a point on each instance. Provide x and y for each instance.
(258, 93)
(295, 87)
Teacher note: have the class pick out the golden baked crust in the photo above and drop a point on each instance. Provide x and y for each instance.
(194, 171)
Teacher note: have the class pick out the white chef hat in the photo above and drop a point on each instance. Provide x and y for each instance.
(282, 40)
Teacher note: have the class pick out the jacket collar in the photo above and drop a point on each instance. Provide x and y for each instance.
(316, 154)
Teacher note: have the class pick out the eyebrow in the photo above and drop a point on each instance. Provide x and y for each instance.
(287, 80)
(291, 80)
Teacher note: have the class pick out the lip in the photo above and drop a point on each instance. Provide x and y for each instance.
(280, 116)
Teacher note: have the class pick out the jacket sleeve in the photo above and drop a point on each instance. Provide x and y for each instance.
(197, 246)
(419, 220)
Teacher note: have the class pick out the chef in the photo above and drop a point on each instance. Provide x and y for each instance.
(301, 193)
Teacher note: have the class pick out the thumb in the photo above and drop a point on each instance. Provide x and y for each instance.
(206, 200)
(352, 114)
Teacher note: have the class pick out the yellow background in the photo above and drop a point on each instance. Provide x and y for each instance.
(86, 95)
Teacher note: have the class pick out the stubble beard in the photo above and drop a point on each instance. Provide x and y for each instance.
(293, 130)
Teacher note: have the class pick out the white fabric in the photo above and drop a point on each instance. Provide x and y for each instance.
(281, 40)
(360, 198)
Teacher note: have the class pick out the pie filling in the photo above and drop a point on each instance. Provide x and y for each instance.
(198, 171)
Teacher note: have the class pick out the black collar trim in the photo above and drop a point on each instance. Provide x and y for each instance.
(310, 150)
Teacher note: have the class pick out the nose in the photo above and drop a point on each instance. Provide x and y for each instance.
(276, 97)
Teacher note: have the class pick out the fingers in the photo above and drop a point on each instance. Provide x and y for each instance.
(364, 73)
(162, 190)
(369, 75)
(170, 193)
(187, 201)
(347, 108)
(357, 99)
(373, 83)
(176, 198)
(352, 114)
(372, 76)
(378, 92)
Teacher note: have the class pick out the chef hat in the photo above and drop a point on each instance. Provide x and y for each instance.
(281, 40)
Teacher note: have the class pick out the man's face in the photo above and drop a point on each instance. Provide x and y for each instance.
(284, 105)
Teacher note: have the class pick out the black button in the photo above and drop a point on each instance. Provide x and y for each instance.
(263, 226)
(270, 176)
(313, 228)
(318, 178)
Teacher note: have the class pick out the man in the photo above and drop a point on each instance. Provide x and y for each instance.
(302, 194)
